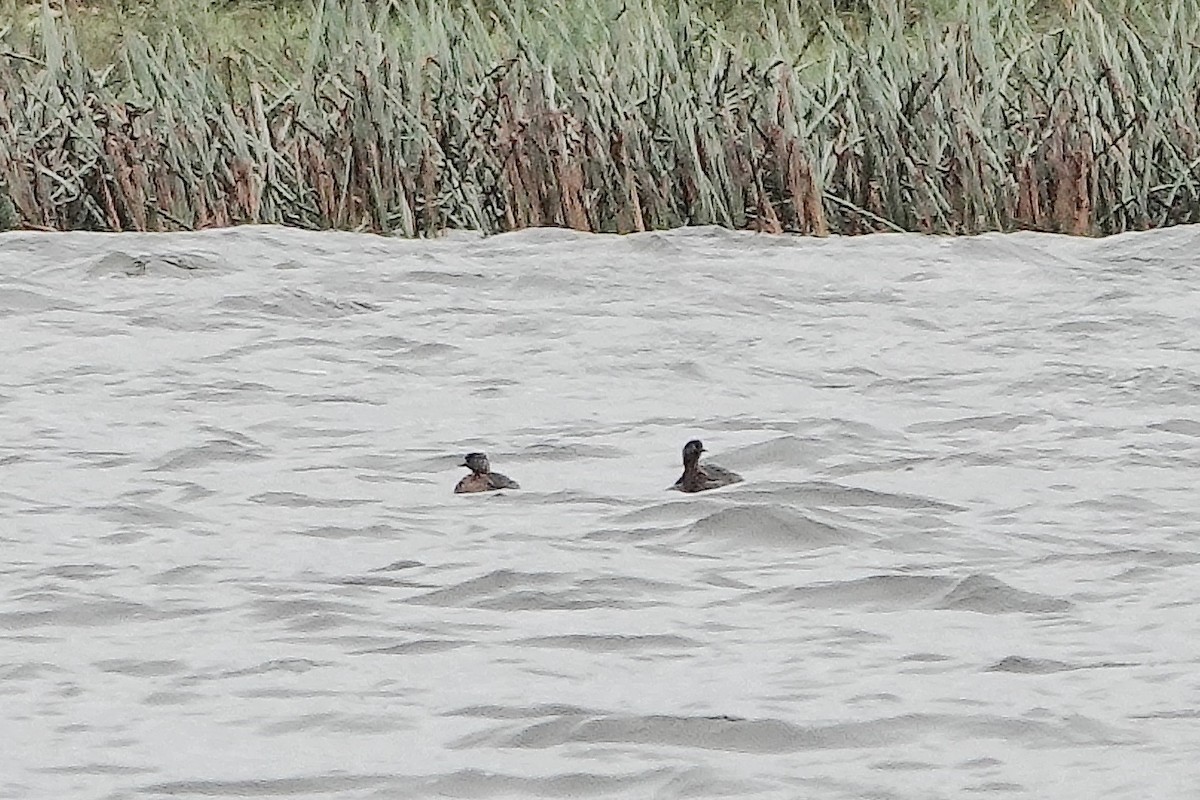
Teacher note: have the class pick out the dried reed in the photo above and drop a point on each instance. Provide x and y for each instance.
(618, 115)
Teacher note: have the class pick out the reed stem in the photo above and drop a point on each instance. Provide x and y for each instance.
(411, 117)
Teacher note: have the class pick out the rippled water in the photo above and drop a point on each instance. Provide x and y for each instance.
(965, 559)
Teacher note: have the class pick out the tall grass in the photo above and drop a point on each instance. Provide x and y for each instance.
(410, 116)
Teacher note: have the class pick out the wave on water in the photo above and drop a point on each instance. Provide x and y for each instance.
(771, 525)
(983, 594)
(766, 736)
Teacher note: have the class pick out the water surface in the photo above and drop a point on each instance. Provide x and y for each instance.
(965, 559)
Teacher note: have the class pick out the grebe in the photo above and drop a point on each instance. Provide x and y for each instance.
(482, 479)
(698, 478)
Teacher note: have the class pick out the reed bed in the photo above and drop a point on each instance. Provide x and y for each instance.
(412, 117)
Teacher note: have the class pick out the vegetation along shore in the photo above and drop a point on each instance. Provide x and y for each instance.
(414, 116)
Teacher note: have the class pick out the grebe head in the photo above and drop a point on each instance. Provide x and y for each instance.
(692, 451)
(476, 462)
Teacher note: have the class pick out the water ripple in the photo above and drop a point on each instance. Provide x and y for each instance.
(964, 555)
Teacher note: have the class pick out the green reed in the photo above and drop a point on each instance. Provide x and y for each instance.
(412, 117)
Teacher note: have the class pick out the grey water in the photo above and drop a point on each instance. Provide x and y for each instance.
(965, 560)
